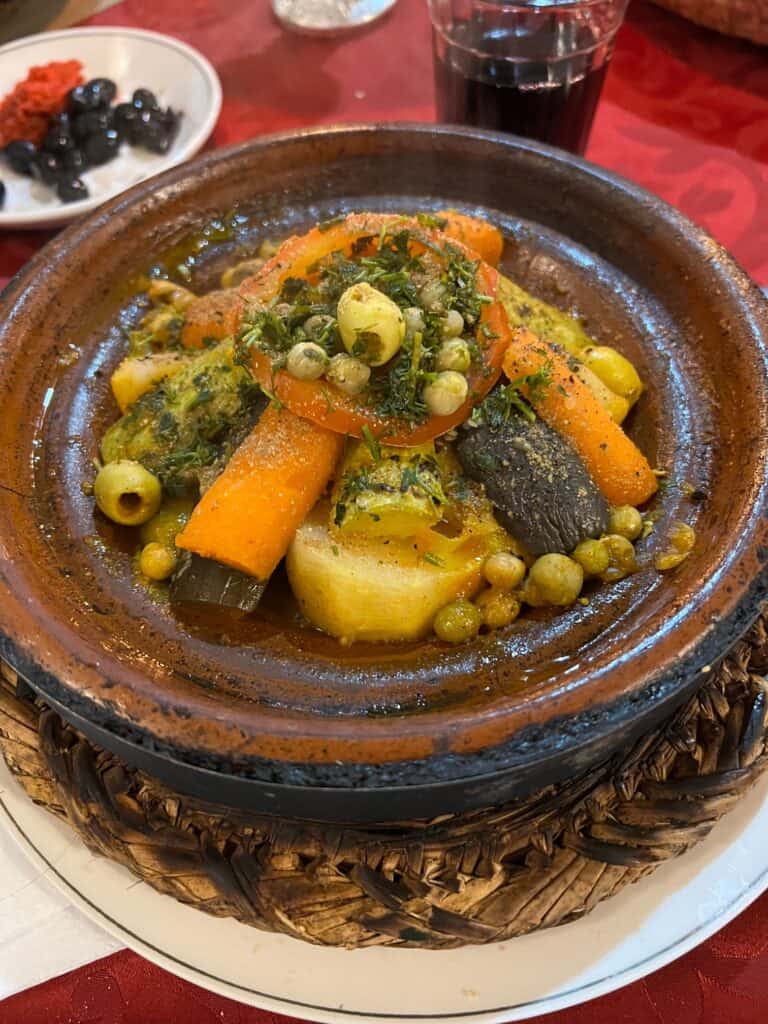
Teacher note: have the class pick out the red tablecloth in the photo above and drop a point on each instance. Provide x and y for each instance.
(685, 113)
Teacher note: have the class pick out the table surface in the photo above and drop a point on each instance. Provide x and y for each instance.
(685, 114)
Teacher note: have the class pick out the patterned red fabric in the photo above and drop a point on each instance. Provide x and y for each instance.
(725, 981)
(685, 113)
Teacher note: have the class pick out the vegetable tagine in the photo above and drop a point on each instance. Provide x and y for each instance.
(425, 446)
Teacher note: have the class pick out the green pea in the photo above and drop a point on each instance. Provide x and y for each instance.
(621, 551)
(556, 579)
(592, 556)
(504, 570)
(458, 622)
(626, 521)
(127, 493)
(157, 562)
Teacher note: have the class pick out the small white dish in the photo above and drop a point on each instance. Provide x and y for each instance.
(645, 927)
(179, 76)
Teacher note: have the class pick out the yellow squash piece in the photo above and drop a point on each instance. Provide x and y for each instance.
(139, 374)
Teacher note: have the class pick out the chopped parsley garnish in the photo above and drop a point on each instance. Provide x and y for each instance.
(372, 443)
(398, 263)
(515, 396)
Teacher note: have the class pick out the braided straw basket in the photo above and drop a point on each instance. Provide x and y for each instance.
(747, 19)
(477, 877)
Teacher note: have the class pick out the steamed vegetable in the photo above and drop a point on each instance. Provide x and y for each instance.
(200, 581)
(310, 274)
(563, 401)
(211, 318)
(248, 516)
(525, 310)
(181, 424)
(375, 588)
(138, 374)
(478, 235)
(396, 492)
(538, 485)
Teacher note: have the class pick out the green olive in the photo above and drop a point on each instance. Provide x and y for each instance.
(556, 579)
(348, 373)
(169, 521)
(593, 557)
(504, 570)
(446, 393)
(452, 324)
(371, 325)
(157, 562)
(127, 493)
(458, 622)
(454, 355)
(614, 370)
(307, 361)
(626, 521)
(498, 608)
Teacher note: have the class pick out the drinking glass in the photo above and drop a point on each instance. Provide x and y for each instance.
(533, 68)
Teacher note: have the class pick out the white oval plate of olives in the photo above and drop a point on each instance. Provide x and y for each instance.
(148, 103)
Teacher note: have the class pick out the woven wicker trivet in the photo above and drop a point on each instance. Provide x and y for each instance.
(476, 877)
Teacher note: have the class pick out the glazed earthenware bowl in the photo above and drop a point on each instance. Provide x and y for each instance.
(269, 714)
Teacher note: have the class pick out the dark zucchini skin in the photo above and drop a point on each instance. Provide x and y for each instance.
(537, 483)
(202, 581)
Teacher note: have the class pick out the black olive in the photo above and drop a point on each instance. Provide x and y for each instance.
(80, 100)
(62, 122)
(156, 138)
(102, 147)
(125, 116)
(58, 141)
(46, 167)
(156, 130)
(2, 194)
(74, 162)
(69, 190)
(143, 99)
(92, 123)
(102, 91)
(20, 155)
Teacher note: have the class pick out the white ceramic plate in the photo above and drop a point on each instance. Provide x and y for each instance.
(180, 77)
(641, 930)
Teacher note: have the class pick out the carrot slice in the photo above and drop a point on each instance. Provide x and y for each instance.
(248, 517)
(616, 464)
(483, 238)
(211, 317)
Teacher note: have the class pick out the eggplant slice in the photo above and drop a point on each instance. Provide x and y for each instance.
(202, 581)
(541, 491)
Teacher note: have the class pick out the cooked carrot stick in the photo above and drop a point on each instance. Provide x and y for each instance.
(248, 517)
(210, 318)
(478, 235)
(617, 466)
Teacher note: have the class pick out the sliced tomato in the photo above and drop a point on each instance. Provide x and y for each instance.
(324, 403)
